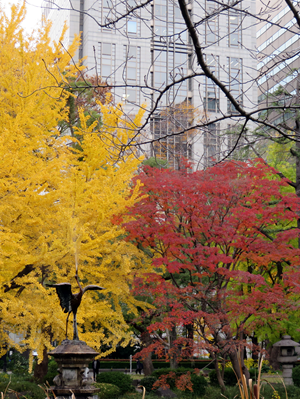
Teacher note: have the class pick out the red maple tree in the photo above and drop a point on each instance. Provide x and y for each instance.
(223, 246)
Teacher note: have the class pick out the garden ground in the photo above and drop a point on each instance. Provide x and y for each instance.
(21, 387)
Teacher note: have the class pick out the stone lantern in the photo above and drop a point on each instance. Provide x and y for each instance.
(73, 357)
(288, 355)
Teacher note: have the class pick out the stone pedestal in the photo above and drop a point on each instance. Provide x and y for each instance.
(73, 357)
(287, 370)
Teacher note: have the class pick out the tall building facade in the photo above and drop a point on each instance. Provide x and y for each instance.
(146, 55)
(279, 60)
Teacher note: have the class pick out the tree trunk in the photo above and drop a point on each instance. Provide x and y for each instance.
(189, 350)
(219, 376)
(254, 347)
(239, 365)
(147, 361)
(4, 359)
(173, 350)
(146, 341)
(41, 369)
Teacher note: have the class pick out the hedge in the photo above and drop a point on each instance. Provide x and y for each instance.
(125, 364)
(121, 380)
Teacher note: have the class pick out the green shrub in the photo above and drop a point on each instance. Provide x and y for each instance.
(199, 384)
(296, 376)
(148, 382)
(123, 364)
(3, 386)
(137, 395)
(253, 373)
(265, 368)
(52, 371)
(108, 391)
(229, 377)
(27, 388)
(18, 364)
(113, 364)
(121, 380)
(4, 377)
(213, 378)
(292, 391)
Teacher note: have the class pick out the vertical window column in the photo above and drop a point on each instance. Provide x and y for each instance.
(132, 57)
(212, 92)
(235, 72)
(160, 19)
(211, 144)
(212, 23)
(107, 7)
(107, 60)
(133, 22)
(234, 29)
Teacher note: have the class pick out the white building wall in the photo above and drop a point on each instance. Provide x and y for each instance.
(144, 41)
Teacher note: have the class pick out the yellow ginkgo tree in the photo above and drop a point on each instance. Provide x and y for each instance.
(59, 199)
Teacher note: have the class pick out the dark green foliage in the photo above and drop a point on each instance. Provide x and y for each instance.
(23, 388)
(116, 364)
(213, 378)
(157, 364)
(265, 368)
(253, 373)
(156, 163)
(4, 377)
(18, 364)
(108, 391)
(296, 376)
(215, 393)
(137, 395)
(148, 382)
(199, 384)
(121, 380)
(229, 378)
(52, 371)
(292, 391)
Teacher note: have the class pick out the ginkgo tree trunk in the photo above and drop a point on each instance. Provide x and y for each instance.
(58, 200)
(224, 245)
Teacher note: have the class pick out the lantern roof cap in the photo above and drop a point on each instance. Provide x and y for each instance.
(286, 341)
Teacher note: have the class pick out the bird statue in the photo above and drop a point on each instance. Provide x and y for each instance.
(70, 302)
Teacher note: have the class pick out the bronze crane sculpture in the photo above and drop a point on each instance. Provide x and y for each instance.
(70, 302)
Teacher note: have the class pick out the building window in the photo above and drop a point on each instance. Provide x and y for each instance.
(212, 92)
(107, 13)
(160, 16)
(171, 55)
(132, 60)
(159, 64)
(130, 4)
(172, 147)
(211, 144)
(212, 23)
(235, 72)
(234, 29)
(169, 66)
(107, 60)
(132, 27)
